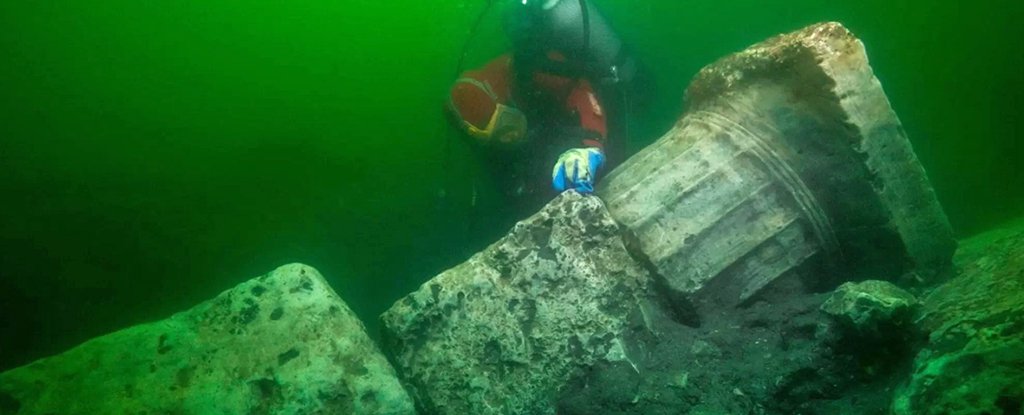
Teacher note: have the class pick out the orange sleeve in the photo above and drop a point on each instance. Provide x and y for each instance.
(584, 103)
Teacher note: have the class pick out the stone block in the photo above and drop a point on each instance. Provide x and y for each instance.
(503, 332)
(283, 343)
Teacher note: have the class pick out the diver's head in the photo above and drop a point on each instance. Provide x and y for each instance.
(524, 20)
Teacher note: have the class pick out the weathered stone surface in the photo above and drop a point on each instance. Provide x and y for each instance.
(788, 153)
(771, 358)
(974, 360)
(872, 308)
(283, 343)
(787, 175)
(502, 332)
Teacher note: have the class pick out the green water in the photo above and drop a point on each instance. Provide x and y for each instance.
(153, 154)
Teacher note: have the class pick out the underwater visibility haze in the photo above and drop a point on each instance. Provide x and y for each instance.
(155, 154)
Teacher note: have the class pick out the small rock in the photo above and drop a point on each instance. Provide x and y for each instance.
(871, 308)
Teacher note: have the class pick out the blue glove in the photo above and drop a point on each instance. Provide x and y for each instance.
(576, 169)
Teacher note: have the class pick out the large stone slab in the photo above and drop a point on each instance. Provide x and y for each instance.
(788, 154)
(504, 331)
(974, 360)
(283, 343)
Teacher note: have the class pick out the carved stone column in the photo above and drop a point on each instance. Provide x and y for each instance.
(787, 151)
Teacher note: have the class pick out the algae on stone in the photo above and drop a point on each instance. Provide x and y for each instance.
(788, 174)
(871, 308)
(788, 154)
(974, 360)
(502, 332)
(283, 343)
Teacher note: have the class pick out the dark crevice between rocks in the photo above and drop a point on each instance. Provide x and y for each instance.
(678, 307)
(816, 275)
(778, 338)
(884, 350)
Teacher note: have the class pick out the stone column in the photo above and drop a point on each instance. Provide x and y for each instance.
(787, 151)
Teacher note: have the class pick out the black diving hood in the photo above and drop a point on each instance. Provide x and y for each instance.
(573, 26)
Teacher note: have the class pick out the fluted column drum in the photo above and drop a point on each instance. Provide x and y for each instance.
(788, 151)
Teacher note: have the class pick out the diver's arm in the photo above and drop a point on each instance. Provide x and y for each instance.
(577, 167)
(583, 102)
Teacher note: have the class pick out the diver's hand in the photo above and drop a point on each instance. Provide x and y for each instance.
(576, 169)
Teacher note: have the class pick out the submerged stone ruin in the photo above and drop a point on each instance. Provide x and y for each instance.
(502, 332)
(788, 153)
(973, 361)
(779, 251)
(788, 174)
(283, 343)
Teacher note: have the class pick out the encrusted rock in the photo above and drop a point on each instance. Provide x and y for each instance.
(788, 174)
(872, 308)
(788, 154)
(283, 343)
(974, 360)
(502, 332)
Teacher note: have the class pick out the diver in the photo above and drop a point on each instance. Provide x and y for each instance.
(551, 109)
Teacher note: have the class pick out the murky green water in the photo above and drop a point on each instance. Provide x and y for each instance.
(153, 154)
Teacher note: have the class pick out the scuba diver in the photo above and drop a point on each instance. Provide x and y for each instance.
(553, 108)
